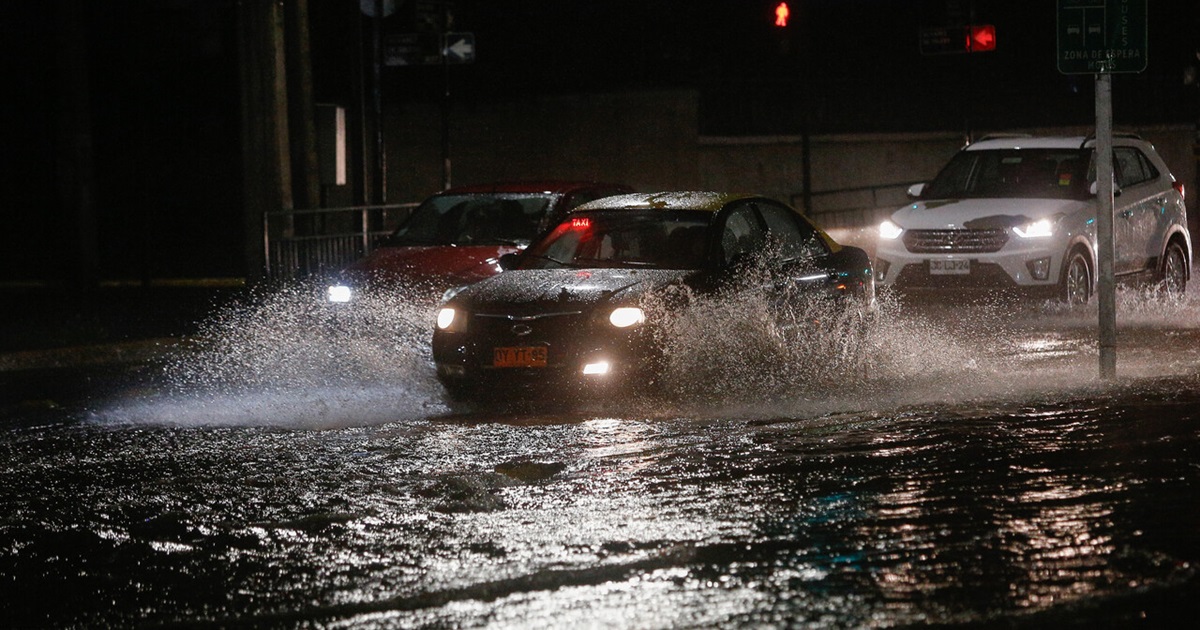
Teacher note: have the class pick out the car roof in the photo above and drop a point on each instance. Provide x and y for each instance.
(532, 186)
(1044, 142)
(674, 200)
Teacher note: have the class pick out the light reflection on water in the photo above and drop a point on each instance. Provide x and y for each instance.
(277, 481)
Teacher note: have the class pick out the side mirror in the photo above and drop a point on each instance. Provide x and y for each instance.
(915, 190)
(509, 261)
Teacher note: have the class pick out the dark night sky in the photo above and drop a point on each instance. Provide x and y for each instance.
(165, 104)
(861, 59)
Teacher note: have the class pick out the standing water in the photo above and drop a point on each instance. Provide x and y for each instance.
(297, 466)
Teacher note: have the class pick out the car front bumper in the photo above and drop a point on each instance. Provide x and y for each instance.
(1034, 264)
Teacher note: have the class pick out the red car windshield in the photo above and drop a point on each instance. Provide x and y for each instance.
(655, 239)
(499, 219)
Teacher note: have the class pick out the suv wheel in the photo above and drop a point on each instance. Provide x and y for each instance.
(1076, 285)
(1172, 278)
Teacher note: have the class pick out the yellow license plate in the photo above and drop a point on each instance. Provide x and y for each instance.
(526, 356)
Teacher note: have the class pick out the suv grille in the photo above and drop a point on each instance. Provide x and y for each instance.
(955, 241)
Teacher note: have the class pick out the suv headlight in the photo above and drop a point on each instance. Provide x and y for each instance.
(890, 231)
(1036, 229)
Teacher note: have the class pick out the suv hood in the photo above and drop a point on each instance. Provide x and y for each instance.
(957, 214)
(446, 264)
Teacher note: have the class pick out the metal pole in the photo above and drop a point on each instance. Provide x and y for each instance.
(377, 105)
(1107, 292)
(446, 164)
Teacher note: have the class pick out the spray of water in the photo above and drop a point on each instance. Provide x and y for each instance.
(744, 352)
(285, 356)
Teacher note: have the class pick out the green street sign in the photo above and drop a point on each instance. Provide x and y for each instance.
(1101, 36)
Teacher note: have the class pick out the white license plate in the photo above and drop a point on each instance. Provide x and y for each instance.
(949, 267)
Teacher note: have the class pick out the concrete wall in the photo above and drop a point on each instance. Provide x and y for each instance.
(650, 140)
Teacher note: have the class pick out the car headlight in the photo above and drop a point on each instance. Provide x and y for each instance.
(890, 231)
(1036, 229)
(626, 316)
(339, 294)
(451, 320)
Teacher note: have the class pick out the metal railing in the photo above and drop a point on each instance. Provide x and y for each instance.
(854, 207)
(302, 243)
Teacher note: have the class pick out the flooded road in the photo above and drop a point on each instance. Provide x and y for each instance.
(971, 471)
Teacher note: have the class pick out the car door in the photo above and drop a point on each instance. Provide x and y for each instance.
(1135, 217)
(742, 234)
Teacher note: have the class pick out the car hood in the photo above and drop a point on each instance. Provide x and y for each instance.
(955, 214)
(451, 265)
(565, 288)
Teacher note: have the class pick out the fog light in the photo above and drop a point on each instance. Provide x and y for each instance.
(599, 368)
(1039, 269)
(881, 269)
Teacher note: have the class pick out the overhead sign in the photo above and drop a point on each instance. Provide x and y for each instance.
(426, 49)
(411, 49)
(1101, 36)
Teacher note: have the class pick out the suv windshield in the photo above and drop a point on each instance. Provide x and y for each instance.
(1019, 173)
(508, 219)
(655, 239)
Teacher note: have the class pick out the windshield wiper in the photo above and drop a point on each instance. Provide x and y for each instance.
(549, 259)
(614, 263)
(514, 242)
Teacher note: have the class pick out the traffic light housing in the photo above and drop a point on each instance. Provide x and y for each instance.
(943, 40)
(981, 37)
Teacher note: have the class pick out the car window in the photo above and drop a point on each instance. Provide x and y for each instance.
(741, 234)
(794, 237)
(473, 220)
(656, 239)
(1012, 173)
(1132, 167)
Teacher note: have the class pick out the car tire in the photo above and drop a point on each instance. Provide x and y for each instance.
(1172, 276)
(1075, 288)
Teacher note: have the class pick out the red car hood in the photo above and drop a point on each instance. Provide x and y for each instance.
(448, 265)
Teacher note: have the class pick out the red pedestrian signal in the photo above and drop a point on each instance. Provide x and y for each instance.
(981, 38)
(782, 13)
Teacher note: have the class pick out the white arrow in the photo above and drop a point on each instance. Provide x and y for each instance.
(461, 49)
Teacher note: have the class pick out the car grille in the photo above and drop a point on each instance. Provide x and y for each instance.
(955, 241)
(560, 331)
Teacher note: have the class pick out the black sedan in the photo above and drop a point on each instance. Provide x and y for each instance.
(583, 308)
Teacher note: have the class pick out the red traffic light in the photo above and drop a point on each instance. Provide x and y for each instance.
(981, 38)
(782, 13)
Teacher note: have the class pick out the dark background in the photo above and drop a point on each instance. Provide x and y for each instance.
(150, 89)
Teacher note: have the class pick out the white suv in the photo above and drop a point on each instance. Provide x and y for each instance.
(1020, 212)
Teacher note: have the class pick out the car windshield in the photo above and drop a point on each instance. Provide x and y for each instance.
(496, 219)
(1014, 173)
(656, 239)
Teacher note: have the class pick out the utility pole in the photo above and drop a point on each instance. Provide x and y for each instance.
(1106, 289)
(266, 170)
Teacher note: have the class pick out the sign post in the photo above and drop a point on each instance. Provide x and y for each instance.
(1102, 37)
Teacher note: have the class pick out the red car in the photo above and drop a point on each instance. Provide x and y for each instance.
(457, 236)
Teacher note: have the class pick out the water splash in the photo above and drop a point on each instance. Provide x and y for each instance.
(285, 356)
